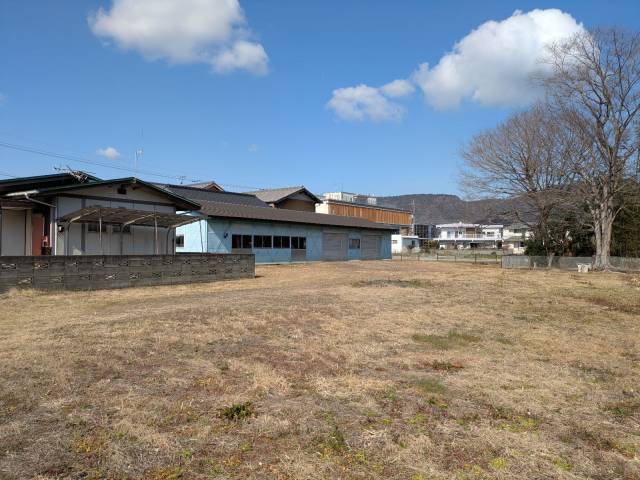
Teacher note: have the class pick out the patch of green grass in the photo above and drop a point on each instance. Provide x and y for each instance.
(498, 463)
(430, 385)
(562, 464)
(238, 411)
(623, 409)
(522, 424)
(452, 339)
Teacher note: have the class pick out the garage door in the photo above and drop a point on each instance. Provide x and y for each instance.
(370, 248)
(334, 246)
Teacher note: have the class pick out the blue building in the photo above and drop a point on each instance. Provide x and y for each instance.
(240, 223)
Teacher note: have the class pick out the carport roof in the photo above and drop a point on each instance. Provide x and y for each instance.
(246, 212)
(127, 216)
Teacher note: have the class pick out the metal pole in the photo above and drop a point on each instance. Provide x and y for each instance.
(121, 239)
(100, 229)
(155, 232)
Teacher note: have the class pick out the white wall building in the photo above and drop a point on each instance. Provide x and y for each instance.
(404, 244)
(514, 238)
(469, 235)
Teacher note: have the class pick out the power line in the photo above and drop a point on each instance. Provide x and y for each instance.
(74, 158)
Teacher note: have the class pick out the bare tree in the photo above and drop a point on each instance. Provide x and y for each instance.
(594, 88)
(526, 159)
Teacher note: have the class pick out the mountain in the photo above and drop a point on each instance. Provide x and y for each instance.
(440, 208)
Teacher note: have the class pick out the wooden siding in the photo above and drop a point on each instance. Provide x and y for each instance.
(373, 214)
(293, 204)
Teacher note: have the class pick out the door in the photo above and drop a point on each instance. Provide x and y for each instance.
(37, 233)
(370, 248)
(14, 232)
(334, 246)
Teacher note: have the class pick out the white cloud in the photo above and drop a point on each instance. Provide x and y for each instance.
(367, 103)
(493, 64)
(253, 148)
(242, 55)
(3, 99)
(109, 152)
(183, 31)
(398, 88)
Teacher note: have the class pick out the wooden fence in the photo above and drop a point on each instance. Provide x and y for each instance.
(89, 272)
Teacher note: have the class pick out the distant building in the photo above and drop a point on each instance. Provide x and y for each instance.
(514, 238)
(243, 223)
(469, 235)
(404, 244)
(366, 207)
(289, 198)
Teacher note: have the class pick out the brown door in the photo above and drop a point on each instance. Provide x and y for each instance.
(37, 233)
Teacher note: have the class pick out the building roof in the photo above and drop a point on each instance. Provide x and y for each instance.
(45, 181)
(210, 185)
(275, 195)
(198, 194)
(466, 225)
(181, 202)
(246, 212)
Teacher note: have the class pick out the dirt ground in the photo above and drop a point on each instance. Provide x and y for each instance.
(390, 370)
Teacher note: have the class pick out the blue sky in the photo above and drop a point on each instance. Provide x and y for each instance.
(250, 104)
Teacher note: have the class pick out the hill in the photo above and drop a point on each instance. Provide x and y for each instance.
(442, 208)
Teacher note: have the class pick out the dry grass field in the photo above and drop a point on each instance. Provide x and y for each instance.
(389, 370)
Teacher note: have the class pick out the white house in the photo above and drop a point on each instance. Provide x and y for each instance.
(469, 235)
(514, 238)
(404, 244)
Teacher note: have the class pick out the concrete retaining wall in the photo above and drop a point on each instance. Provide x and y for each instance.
(89, 272)
(566, 263)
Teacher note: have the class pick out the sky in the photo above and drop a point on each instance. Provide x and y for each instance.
(368, 96)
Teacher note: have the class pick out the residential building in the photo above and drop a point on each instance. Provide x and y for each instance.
(469, 235)
(365, 207)
(514, 238)
(290, 198)
(405, 244)
(77, 214)
(240, 223)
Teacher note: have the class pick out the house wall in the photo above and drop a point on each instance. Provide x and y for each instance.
(219, 232)
(139, 242)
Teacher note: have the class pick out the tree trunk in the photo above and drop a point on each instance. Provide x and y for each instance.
(603, 226)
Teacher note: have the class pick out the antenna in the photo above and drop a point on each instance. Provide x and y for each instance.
(138, 156)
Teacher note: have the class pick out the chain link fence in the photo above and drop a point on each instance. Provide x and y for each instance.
(566, 263)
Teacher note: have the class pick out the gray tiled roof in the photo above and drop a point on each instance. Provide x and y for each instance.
(228, 210)
(273, 195)
(198, 195)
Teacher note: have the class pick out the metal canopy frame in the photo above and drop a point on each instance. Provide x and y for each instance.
(124, 217)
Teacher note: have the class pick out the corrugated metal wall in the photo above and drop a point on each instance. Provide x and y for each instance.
(217, 234)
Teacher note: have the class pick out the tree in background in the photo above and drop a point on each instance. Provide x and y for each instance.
(528, 158)
(594, 89)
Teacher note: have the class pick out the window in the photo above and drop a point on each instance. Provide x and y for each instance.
(179, 240)
(94, 227)
(395, 242)
(299, 243)
(354, 243)
(262, 241)
(117, 228)
(281, 242)
(241, 241)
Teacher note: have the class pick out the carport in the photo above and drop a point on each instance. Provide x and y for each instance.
(124, 217)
